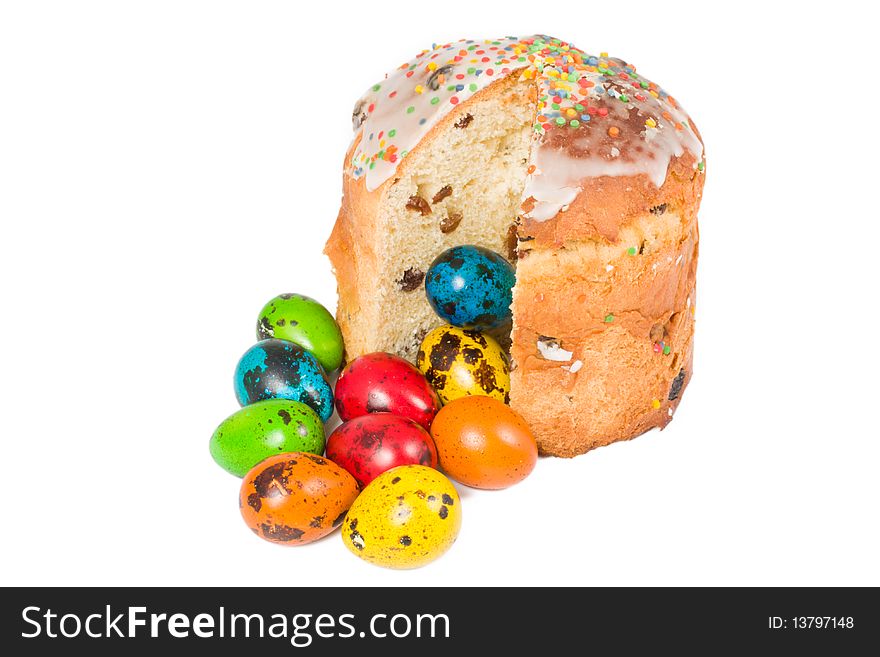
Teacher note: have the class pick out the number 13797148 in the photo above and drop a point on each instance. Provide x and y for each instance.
(811, 623)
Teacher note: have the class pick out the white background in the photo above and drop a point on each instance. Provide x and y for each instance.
(167, 167)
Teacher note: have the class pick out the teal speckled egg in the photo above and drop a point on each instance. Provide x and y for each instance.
(278, 369)
(303, 321)
(264, 429)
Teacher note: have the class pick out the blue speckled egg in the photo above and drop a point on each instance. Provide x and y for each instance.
(471, 287)
(277, 369)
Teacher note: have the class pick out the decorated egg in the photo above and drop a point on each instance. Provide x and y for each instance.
(264, 429)
(471, 287)
(385, 383)
(303, 321)
(484, 443)
(370, 444)
(459, 362)
(406, 518)
(296, 498)
(280, 369)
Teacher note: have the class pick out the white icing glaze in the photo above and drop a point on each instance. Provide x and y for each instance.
(550, 350)
(595, 115)
(410, 86)
(559, 169)
(549, 193)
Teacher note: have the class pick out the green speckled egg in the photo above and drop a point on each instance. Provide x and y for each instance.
(405, 518)
(302, 320)
(264, 429)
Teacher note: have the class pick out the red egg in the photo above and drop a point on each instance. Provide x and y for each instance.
(385, 383)
(370, 444)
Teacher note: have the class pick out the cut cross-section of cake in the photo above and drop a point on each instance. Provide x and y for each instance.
(585, 174)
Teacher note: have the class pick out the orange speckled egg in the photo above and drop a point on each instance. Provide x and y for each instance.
(483, 443)
(296, 498)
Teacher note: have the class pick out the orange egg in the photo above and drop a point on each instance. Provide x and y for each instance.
(483, 443)
(296, 497)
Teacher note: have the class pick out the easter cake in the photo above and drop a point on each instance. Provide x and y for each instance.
(583, 174)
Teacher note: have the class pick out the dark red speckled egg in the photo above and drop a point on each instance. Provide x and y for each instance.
(385, 383)
(370, 444)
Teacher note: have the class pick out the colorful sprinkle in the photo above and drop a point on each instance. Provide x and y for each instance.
(609, 318)
(576, 91)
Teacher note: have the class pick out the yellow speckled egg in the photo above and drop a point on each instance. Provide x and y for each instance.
(459, 362)
(405, 518)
